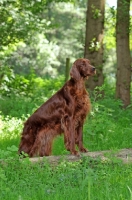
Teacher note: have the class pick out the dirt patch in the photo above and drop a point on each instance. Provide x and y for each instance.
(123, 154)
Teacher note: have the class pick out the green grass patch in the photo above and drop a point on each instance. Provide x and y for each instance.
(88, 180)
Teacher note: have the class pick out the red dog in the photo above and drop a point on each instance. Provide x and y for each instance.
(64, 112)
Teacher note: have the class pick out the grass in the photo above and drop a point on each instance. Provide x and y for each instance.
(107, 127)
(90, 180)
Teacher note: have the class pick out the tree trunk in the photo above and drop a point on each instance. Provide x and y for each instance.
(123, 76)
(94, 40)
(67, 69)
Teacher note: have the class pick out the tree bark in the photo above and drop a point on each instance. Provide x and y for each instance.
(67, 69)
(94, 40)
(123, 76)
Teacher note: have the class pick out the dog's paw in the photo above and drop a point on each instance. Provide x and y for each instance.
(75, 153)
(84, 150)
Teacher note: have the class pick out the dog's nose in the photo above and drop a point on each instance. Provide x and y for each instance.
(93, 69)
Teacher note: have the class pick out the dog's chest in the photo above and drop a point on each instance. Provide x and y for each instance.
(82, 107)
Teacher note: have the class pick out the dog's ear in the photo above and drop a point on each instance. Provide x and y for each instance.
(74, 73)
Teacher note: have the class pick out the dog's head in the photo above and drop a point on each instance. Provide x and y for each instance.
(82, 68)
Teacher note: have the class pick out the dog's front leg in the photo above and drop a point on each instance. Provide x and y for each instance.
(69, 134)
(79, 139)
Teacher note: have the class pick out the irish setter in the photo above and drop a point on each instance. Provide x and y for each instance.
(64, 112)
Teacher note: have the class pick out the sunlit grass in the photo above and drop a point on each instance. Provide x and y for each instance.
(88, 180)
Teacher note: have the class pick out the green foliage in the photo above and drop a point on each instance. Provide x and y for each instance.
(19, 19)
(9, 133)
(96, 12)
(21, 95)
(71, 34)
(108, 126)
(94, 45)
(110, 23)
(40, 55)
(17, 106)
(45, 50)
(6, 76)
(13, 84)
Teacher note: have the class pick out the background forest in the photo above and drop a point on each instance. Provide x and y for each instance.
(36, 38)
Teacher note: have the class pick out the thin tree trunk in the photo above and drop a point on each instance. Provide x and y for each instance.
(94, 40)
(67, 69)
(123, 76)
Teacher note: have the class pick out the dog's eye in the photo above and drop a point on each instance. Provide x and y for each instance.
(83, 65)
